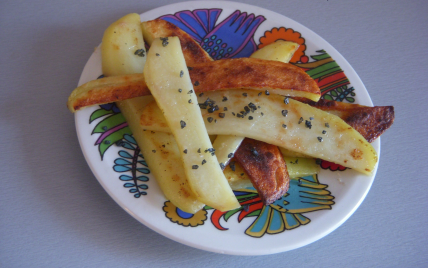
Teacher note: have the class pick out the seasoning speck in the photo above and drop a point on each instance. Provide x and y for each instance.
(233, 113)
(230, 155)
(259, 94)
(225, 109)
(204, 161)
(254, 152)
(319, 139)
(221, 115)
(327, 125)
(190, 91)
(262, 114)
(232, 166)
(179, 90)
(154, 151)
(224, 98)
(284, 113)
(308, 124)
(286, 101)
(210, 119)
(181, 73)
(195, 167)
(196, 83)
(200, 95)
(199, 150)
(164, 41)
(222, 166)
(250, 118)
(157, 54)
(185, 151)
(182, 124)
(323, 132)
(190, 100)
(284, 125)
(267, 92)
(300, 120)
(140, 52)
(311, 118)
(244, 94)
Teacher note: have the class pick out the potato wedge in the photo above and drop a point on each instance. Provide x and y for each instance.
(122, 47)
(193, 52)
(256, 74)
(266, 169)
(371, 122)
(167, 77)
(293, 129)
(279, 51)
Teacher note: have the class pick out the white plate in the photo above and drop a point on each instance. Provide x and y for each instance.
(307, 218)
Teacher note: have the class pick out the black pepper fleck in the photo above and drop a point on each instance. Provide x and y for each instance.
(244, 94)
(224, 98)
(190, 101)
(300, 120)
(267, 92)
(308, 124)
(204, 161)
(157, 54)
(225, 109)
(195, 167)
(254, 152)
(182, 124)
(164, 41)
(190, 91)
(181, 73)
(221, 115)
(262, 114)
(196, 83)
(284, 113)
(222, 166)
(179, 90)
(140, 52)
(250, 118)
(323, 132)
(327, 125)
(319, 139)
(210, 119)
(286, 101)
(259, 94)
(185, 151)
(232, 166)
(284, 125)
(230, 155)
(154, 151)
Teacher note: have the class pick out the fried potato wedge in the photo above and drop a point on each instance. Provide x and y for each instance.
(265, 167)
(122, 47)
(250, 73)
(193, 52)
(371, 122)
(274, 121)
(170, 85)
(276, 77)
(279, 50)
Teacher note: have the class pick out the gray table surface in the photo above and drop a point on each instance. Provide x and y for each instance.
(53, 212)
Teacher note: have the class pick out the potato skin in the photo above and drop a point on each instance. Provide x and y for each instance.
(266, 168)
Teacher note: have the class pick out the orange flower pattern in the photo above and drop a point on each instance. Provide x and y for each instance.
(286, 34)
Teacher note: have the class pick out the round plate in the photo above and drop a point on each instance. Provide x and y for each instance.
(313, 207)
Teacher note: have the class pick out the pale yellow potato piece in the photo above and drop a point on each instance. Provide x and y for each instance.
(169, 82)
(340, 144)
(165, 165)
(277, 51)
(161, 153)
(225, 146)
(122, 47)
(289, 153)
(280, 51)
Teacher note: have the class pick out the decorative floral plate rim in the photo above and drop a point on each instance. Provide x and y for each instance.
(323, 203)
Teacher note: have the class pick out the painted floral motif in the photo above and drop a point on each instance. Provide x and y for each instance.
(286, 35)
(134, 163)
(305, 195)
(111, 128)
(231, 38)
(180, 217)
